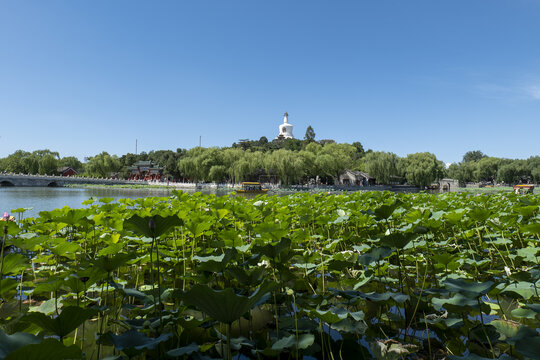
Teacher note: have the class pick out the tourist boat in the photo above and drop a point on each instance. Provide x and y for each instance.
(252, 188)
(524, 189)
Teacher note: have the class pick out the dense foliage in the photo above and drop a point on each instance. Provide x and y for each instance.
(366, 275)
(288, 161)
(492, 169)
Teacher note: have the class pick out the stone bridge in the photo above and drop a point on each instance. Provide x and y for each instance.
(56, 181)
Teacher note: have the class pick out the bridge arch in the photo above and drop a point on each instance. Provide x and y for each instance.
(6, 183)
(53, 184)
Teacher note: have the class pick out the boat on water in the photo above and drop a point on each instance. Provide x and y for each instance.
(252, 188)
(524, 189)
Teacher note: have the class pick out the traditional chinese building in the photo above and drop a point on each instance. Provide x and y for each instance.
(356, 178)
(67, 171)
(145, 170)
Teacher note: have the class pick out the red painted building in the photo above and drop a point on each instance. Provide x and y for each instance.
(145, 170)
(67, 171)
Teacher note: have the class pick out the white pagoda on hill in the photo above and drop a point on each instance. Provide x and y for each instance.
(285, 129)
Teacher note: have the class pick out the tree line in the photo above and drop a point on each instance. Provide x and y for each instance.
(289, 161)
(478, 167)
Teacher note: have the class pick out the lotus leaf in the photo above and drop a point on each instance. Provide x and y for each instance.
(224, 305)
(9, 343)
(46, 350)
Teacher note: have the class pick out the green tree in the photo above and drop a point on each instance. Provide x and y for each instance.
(286, 164)
(473, 156)
(421, 169)
(310, 134)
(48, 165)
(513, 172)
(14, 163)
(359, 149)
(71, 161)
(486, 169)
(333, 159)
(102, 165)
(533, 165)
(381, 165)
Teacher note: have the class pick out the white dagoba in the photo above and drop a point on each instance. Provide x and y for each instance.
(285, 129)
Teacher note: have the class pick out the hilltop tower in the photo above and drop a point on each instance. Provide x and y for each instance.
(285, 129)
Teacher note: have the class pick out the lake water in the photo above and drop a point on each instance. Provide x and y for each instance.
(45, 198)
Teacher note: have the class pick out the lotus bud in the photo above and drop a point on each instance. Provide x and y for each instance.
(152, 224)
(6, 216)
(290, 292)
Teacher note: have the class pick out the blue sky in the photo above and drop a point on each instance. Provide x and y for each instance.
(81, 77)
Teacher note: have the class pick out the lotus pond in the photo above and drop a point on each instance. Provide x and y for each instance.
(313, 276)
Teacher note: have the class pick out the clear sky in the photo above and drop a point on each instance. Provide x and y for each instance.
(81, 77)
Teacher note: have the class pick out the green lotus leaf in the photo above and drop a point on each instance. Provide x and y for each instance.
(520, 289)
(512, 331)
(289, 342)
(521, 313)
(111, 249)
(457, 303)
(328, 316)
(454, 217)
(484, 334)
(184, 350)
(8, 288)
(67, 249)
(469, 288)
(215, 263)
(72, 217)
(11, 226)
(14, 264)
(445, 258)
(133, 342)
(390, 350)
(47, 307)
(245, 277)
(350, 326)
(68, 320)
(198, 226)
(479, 214)
(46, 350)
(396, 240)
(529, 347)
(152, 226)
(111, 263)
(224, 305)
(385, 211)
(534, 307)
(10, 343)
(374, 255)
(531, 228)
(48, 287)
(528, 253)
(527, 211)
(272, 251)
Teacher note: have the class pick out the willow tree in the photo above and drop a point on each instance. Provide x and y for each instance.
(421, 169)
(286, 164)
(333, 159)
(102, 165)
(381, 165)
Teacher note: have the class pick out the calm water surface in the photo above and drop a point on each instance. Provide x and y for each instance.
(43, 198)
